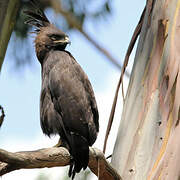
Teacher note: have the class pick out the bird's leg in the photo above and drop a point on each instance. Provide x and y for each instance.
(59, 143)
(62, 143)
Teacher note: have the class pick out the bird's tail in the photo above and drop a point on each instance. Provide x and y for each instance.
(79, 149)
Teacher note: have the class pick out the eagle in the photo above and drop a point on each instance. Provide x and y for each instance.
(67, 103)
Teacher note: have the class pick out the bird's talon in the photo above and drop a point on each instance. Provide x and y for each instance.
(59, 144)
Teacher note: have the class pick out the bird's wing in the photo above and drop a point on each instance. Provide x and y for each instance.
(89, 90)
(92, 100)
(69, 95)
(74, 100)
(48, 115)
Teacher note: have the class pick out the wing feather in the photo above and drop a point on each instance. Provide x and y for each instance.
(70, 86)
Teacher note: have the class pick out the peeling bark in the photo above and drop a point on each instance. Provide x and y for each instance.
(147, 145)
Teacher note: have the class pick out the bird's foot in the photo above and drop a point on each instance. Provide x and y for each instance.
(59, 144)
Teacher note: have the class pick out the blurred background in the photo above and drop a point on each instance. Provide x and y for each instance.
(100, 32)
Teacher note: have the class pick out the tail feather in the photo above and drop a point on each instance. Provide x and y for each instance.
(79, 149)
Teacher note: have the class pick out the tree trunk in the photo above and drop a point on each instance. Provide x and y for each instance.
(147, 145)
(8, 11)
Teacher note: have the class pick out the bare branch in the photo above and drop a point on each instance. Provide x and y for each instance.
(126, 60)
(2, 115)
(54, 157)
(72, 21)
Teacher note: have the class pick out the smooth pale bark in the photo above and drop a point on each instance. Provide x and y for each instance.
(147, 145)
(8, 12)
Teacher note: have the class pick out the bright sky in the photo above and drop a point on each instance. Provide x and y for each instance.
(19, 93)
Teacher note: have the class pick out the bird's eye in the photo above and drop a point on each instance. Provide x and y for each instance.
(55, 37)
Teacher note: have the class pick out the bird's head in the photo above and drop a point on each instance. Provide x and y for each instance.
(48, 37)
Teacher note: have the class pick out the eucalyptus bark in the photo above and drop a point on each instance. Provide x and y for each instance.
(8, 12)
(147, 145)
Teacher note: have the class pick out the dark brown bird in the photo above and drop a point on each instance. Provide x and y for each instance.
(67, 104)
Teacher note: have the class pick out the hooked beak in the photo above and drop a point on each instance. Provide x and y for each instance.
(64, 41)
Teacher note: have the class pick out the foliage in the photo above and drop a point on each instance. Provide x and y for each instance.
(80, 9)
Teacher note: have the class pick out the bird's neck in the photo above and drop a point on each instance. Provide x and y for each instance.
(42, 51)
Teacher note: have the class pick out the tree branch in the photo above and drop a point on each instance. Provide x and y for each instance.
(2, 115)
(72, 21)
(126, 60)
(8, 13)
(53, 157)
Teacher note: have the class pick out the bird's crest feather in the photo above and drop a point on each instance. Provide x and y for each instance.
(36, 18)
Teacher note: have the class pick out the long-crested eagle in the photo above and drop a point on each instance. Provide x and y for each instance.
(67, 103)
